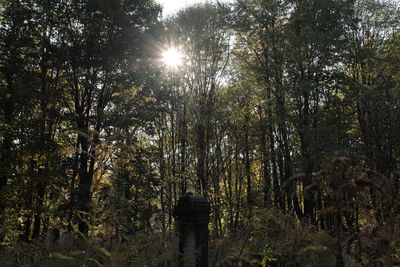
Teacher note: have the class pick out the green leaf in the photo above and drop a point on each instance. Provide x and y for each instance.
(96, 261)
(61, 256)
(104, 251)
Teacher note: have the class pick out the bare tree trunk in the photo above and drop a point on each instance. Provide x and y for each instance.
(238, 189)
(277, 189)
(183, 182)
(265, 162)
(247, 164)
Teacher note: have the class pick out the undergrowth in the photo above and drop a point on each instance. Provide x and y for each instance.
(358, 225)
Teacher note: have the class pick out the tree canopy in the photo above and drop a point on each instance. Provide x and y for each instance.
(283, 114)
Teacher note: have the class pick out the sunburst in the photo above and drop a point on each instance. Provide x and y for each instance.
(172, 57)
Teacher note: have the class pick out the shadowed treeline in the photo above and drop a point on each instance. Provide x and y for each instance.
(283, 114)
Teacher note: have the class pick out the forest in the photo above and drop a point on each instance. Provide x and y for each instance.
(283, 114)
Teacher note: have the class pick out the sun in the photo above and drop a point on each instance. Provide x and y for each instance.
(172, 57)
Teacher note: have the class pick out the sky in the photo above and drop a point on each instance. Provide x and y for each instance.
(172, 6)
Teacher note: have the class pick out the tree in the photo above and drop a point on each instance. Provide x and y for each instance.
(203, 32)
(316, 38)
(66, 61)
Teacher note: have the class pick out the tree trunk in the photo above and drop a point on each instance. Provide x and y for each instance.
(265, 162)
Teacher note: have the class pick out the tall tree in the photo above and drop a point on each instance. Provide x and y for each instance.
(204, 36)
(316, 38)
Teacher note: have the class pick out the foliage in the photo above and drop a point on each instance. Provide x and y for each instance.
(284, 114)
